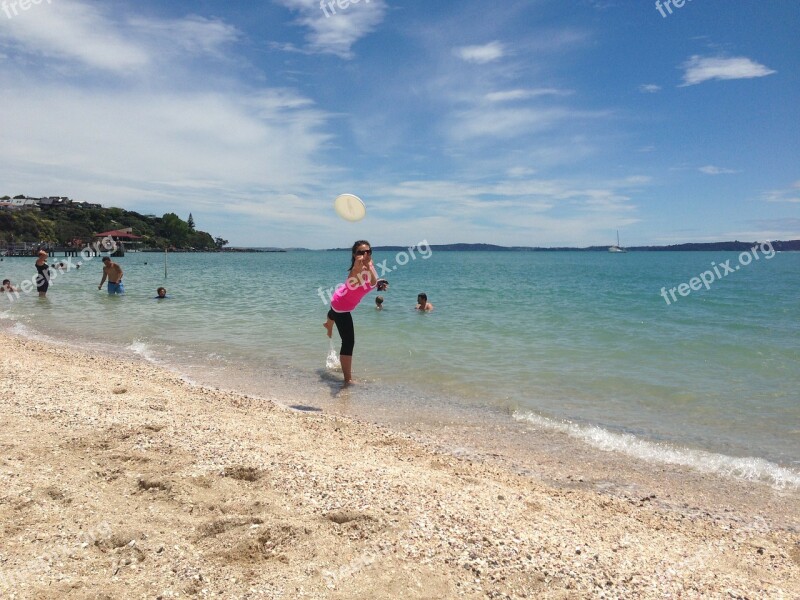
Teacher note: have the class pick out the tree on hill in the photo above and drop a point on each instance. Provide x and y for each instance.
(173, 229)
(190, 222)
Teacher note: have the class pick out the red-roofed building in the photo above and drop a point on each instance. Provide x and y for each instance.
(122, 234)
(122, 238)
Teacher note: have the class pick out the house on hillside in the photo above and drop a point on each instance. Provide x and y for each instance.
(123, 238)
(27, 203)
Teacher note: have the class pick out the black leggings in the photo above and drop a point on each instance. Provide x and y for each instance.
(344, 325)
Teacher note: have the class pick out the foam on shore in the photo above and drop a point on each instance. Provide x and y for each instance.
(745, 468)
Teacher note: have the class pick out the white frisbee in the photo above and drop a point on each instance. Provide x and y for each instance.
(350, 207)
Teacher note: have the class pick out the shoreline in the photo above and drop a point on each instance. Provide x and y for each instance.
(121, 475)
(522, 434)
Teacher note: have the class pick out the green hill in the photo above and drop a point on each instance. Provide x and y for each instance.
(74, 225)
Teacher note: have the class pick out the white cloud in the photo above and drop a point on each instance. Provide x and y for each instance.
(522, 94)
(334, 30)
(507, 123)
(649, 88)
(481, 54)
(523, 212)
(134, 147)
(791, 195)
(712, 170)
(74, 31)
(520, 172)
(699, 69)
(192, 34)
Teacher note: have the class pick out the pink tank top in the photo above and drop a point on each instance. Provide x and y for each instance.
(346, 299)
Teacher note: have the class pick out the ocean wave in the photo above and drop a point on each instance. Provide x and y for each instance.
(142, 349)
(746, 468)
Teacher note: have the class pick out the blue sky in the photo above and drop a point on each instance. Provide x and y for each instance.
(539, 122)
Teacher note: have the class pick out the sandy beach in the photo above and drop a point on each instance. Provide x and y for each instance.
(122, 480)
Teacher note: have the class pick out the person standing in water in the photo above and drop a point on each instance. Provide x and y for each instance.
(361, 280)
(42, 274)
(114, 273)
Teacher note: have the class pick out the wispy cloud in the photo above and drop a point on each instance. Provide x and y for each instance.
(334, 30)
(699, 69)
(481, 54)
(505, 123)
(712, 170)
(193, 34)
(508, 123)
(791, 195)
(522, 94)
(649, 88)
(74, 31)
(520, 172)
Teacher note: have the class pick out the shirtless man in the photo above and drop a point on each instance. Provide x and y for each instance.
(114, 273)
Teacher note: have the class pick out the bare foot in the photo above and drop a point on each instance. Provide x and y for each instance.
(329, 326)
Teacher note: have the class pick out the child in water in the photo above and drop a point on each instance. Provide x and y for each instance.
(423, 304)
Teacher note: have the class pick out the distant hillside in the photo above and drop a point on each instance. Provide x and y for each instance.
(735, 246)
(76, 225)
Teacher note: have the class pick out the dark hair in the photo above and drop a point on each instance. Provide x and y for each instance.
(353, 252)
(106, 258)
(5, 281)
(161, 288)
(378, 299)
(423, 295)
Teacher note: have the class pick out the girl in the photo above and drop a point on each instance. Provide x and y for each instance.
(360, 281)
(42, 274)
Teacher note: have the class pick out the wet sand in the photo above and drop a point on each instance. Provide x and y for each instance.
(121, 480)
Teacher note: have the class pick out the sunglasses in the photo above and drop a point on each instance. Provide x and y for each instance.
(363, 252)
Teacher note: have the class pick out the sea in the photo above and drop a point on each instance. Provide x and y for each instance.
(672, 358)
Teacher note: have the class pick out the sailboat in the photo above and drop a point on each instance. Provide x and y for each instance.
(617, 248)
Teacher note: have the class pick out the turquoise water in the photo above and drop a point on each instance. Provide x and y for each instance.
(580, 342)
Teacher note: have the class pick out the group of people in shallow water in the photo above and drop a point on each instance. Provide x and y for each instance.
(111, 272)
(361, 279)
